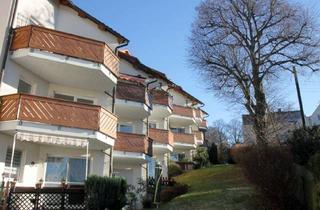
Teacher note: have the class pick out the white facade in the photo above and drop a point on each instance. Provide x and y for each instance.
(314, 119)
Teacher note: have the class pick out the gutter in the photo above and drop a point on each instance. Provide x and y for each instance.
(120, 46)
(8, 36)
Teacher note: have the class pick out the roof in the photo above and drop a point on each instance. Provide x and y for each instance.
(100, 24)
(137, 64)
(281, 116)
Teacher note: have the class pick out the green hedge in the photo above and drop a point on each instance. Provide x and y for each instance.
(174, 170)
(105, 192)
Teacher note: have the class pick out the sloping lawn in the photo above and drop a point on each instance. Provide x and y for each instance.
(220, 187)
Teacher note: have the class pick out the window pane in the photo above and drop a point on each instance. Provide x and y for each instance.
(56, 169)
(77, 170)
(24, 87)
(63, 97)
(152, 125)
(16, 158)
(126, 128)
(84, 101)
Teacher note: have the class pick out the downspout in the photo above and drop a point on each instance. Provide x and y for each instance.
(8, 36)
(120, 46)
(147, 89)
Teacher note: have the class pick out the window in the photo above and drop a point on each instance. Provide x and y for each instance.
(16, 164)
(84, 101)
(126, 128)
(70, 169)
(152, 125)
(63, 97)
(24, 87)
(178, 130)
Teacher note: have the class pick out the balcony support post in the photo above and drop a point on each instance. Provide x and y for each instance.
(87, 158)
(113, 99)
(12, 153)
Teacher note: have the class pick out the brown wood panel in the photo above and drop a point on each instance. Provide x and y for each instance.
(161, 97)
(183, 111)
(184, 138)
(58, 112)
(199, 135)
(129, 142)
(161, 136)
(65, 44)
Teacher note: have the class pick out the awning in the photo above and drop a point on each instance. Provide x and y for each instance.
(50, 139)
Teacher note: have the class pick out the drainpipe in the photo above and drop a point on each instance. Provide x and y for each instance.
(120, 46)
(8, 36)
(147, 89)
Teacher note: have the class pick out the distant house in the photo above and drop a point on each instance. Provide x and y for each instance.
(279, 126)
(314, 119)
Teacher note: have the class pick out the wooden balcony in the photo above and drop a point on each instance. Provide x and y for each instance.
(57, 112)
(62, 43)
(161, 97)
(161, 136)
(184, 138)
(132, 92)
(204, 124)
(183, 111)
(129, 142)
(199, 135)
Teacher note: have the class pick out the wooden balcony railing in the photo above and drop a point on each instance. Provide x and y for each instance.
(185, 138)
(132, 92)
(129, 142)
(199, 135)
(57, 112)
(198, 113)
(183, 111)
(65, 44)
(161, 136)
(204, 124)
(161, 97)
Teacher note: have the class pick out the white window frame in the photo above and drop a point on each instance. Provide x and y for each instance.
(68, 157)
(33, 86)
(126, 124)
(76, 97)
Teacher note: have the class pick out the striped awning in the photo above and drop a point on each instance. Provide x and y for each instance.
(51, 139)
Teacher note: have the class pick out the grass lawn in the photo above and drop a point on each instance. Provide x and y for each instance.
(220, 187)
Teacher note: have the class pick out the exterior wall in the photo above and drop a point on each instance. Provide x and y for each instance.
(4, 18)
(131, 172)
(314, 119)
(69, 21)
(38, 153)
(40, 12)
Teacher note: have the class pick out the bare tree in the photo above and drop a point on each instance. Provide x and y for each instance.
(240, 46)
(234, 132)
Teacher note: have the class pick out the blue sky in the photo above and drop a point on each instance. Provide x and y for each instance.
(158, 31)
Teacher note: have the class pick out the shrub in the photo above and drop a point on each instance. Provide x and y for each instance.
(272, 170)
(213, 154)
(201, 157)
(147, 202)
(314, 166)
(304, 144)
(105, 192)
(169, 193)
(174, 170)
(238, 152)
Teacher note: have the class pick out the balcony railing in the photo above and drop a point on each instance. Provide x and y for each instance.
(204, 124)
(132, 92)
(57, 112)
(65, 44)
(183, 111)
(161, 97)
(199, 135)
(185, 138)
(129, 142)
(161, 136)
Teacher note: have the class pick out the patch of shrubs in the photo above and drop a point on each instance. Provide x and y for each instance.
(174, 170)
(272, 170)
(169, 193)
(105, 193)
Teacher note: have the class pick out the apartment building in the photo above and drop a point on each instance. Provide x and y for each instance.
(72, 107)
(57, 119)
(176, 123)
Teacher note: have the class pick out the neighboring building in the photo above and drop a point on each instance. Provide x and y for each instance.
(280, 124)
(314, 119)
(72, 107)
(56, 120)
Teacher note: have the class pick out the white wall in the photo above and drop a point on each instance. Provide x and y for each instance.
(315, 117)
(131, 172)
(38, 12)
(4, 17)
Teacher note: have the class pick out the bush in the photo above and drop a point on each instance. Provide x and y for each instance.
(238, 152)
(174, 170)
(304, 144)
(170, 193)
(201, 157)
(272, 170)
(105, 192)
(213, 154)
(147, 202)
